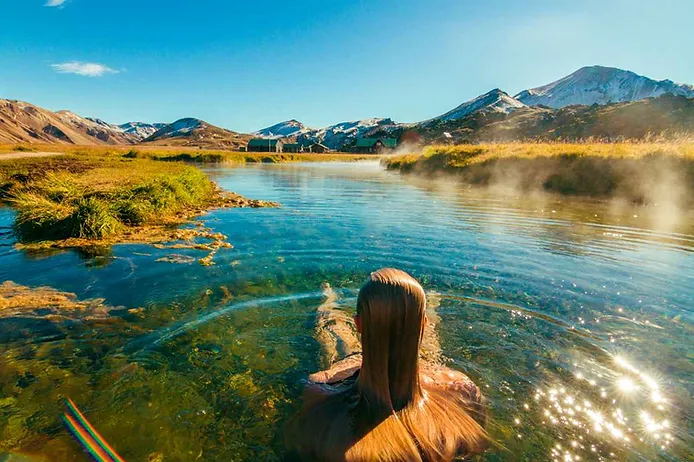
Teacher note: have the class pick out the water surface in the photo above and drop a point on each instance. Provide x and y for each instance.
(574, 316)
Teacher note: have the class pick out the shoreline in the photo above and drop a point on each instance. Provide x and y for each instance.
(90, 203)
(173, 153)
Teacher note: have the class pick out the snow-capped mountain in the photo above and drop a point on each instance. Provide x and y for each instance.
(196, 132)
(284, 130)
(601, 85)
(493, 101)
(141, 130)
(181, 127)
(96, 128)
(345, 133)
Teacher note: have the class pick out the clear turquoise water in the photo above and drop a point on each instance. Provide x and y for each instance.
(574, 316)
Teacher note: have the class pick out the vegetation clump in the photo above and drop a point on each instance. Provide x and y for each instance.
(81, 201)
(46, 302)
(639, 172)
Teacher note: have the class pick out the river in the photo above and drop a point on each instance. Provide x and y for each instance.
(574, 316)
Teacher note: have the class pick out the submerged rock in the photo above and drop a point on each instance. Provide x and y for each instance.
(16, 300)
(176, 258)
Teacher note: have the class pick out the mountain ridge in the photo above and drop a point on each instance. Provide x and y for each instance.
(190, 131)
(495, 100)
(600, 85)
(22, 122)
(286, 129)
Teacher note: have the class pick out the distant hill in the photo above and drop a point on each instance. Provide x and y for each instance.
(595, 101)
(197, 133)
(141, 130)
(338, 136)
(666, 116)
(288, 129)
(21, 122)
(600, 85)
(345, 134)
(495, 101)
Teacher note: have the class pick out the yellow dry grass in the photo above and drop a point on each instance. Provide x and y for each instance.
(645, 172)
(181, 153)
(458, 156)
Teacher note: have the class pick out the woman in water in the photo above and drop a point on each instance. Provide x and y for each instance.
(386, 404)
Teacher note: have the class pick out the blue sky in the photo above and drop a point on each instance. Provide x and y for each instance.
(245, 65)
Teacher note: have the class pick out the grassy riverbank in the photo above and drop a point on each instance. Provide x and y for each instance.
(80, 201)
(641, 172)
(173, 153)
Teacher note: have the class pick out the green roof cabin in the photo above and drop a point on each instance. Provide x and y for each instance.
(375, 145)
(265, 145)
(319, 148)
(293, 147)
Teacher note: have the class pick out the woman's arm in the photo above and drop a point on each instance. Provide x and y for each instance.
(339, 371)
(335, 329)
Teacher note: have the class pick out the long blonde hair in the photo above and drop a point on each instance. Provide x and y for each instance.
(386, 414)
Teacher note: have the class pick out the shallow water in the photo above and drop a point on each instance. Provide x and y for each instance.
(574, 316)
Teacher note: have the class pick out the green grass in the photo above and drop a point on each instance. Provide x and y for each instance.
(98, 198)
(640, 172)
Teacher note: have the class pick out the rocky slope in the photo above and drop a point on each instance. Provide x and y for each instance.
(496, 101)
(141, 130)
(288, 129)
(665, 116)
(21, 122)
(198, 133)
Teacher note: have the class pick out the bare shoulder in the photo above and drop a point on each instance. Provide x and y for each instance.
(434, 375)
(339, 371)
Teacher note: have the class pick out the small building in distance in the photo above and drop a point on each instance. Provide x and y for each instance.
(293, 147)
(265, 145)
(300, 147)
(375, 145)
(319, 148)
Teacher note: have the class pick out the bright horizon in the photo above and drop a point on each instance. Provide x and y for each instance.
(247, 67)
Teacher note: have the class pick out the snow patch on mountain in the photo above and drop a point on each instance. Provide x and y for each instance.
(283, 130)
(181, 127)
(141, 130)
(493, 101)
(96, 128)
(601, 85)
(345, 133)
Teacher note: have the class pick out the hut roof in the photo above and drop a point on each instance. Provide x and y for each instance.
(371, 142)
(262, 142)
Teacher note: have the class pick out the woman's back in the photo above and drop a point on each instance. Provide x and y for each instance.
(388, 405)
(337, 423)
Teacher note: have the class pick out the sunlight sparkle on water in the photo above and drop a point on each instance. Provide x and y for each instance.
(626, 385)
(631, 410)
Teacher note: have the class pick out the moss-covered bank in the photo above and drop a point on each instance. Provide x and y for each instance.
(639, 172)
(95, 201)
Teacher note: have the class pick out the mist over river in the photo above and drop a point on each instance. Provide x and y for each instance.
(574, 316)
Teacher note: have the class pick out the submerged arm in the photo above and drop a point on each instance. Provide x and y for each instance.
(339, 371)
(335, 329)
